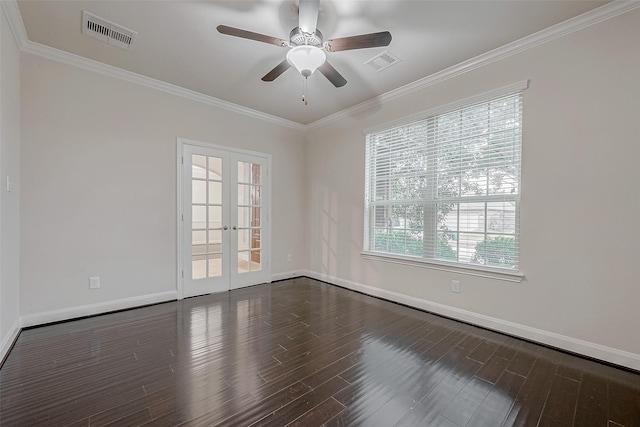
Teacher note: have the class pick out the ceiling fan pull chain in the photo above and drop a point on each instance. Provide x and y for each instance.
(304, 89)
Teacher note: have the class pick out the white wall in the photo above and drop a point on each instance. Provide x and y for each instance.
(99, 186)
(9, 201)
(98, 192)
(580, 233)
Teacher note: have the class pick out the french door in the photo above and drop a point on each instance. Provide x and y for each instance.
(224, 219)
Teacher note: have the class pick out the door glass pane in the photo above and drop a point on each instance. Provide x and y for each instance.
(215, 193)
(243, 217)
(198, 249)
(215, 216)
(249, 261)
(207, 212)
(198, 242)
(249, 204)
(215, 242)
(199, 191)
(215, 265)
(199, 267)
(255, 238)
(215, 237)
(243, 194)
(215, 168)
(198, 237)
(249, 173)
(255, 217)
(243, 262)
(248, 217)
(199, 217)
(198, 166)
(244, 172)
(255, 261)
(243, 240)
(255, 195)
(255, 173)
(206, 215)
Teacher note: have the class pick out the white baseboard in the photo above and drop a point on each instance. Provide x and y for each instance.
(98, 308)
(7, 342)
(597, 351)
(288, 275)
(586, 348)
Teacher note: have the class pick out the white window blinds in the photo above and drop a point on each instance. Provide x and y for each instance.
(447, 187)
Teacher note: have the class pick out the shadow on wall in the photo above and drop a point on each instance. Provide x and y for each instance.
(329, 229)
(333, 263)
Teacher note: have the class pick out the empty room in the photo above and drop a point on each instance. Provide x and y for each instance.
(319, 213)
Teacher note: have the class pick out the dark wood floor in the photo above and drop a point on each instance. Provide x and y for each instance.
(302, 353)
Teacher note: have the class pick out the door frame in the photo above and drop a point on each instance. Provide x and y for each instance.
(265, 252)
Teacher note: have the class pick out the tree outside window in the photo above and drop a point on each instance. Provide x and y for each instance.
(448, 187)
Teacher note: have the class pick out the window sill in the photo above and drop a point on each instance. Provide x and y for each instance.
(471, 270)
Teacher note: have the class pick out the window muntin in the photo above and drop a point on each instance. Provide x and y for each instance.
(447, 188)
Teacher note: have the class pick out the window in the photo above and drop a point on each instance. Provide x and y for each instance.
(447, 188)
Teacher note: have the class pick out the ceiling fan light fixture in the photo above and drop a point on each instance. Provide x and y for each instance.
(306, 59)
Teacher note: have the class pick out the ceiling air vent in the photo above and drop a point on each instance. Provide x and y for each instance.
(107, 31)
(382, 61)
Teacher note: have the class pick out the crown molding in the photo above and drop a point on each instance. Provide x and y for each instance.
(602, 13)
(10, 9)
(128, 76)
(14, 17)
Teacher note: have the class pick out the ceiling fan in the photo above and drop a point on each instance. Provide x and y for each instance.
(307, 46)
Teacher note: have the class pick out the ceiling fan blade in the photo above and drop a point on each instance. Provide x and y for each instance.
(360, 42)
(275, 73)
(308, 15)
(237, 32)
(332, 75)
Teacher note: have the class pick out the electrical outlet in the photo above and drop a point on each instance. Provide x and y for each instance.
(94, 282)
(289, 258)
(455, 286)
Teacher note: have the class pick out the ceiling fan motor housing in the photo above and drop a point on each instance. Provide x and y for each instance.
(297, 37)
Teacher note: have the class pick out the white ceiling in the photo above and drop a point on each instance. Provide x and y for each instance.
(178, 43)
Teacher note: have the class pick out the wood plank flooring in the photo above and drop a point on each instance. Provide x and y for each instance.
(300, 353)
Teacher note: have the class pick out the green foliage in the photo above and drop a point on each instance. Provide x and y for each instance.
(402, 243)
(398, 242)
(436, 165)
(496, 252)
(445, 251)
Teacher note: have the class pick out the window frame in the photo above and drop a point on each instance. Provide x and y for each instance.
(480, 270)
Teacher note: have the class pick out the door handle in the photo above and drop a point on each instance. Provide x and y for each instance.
(235, 227)
(225, 228)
